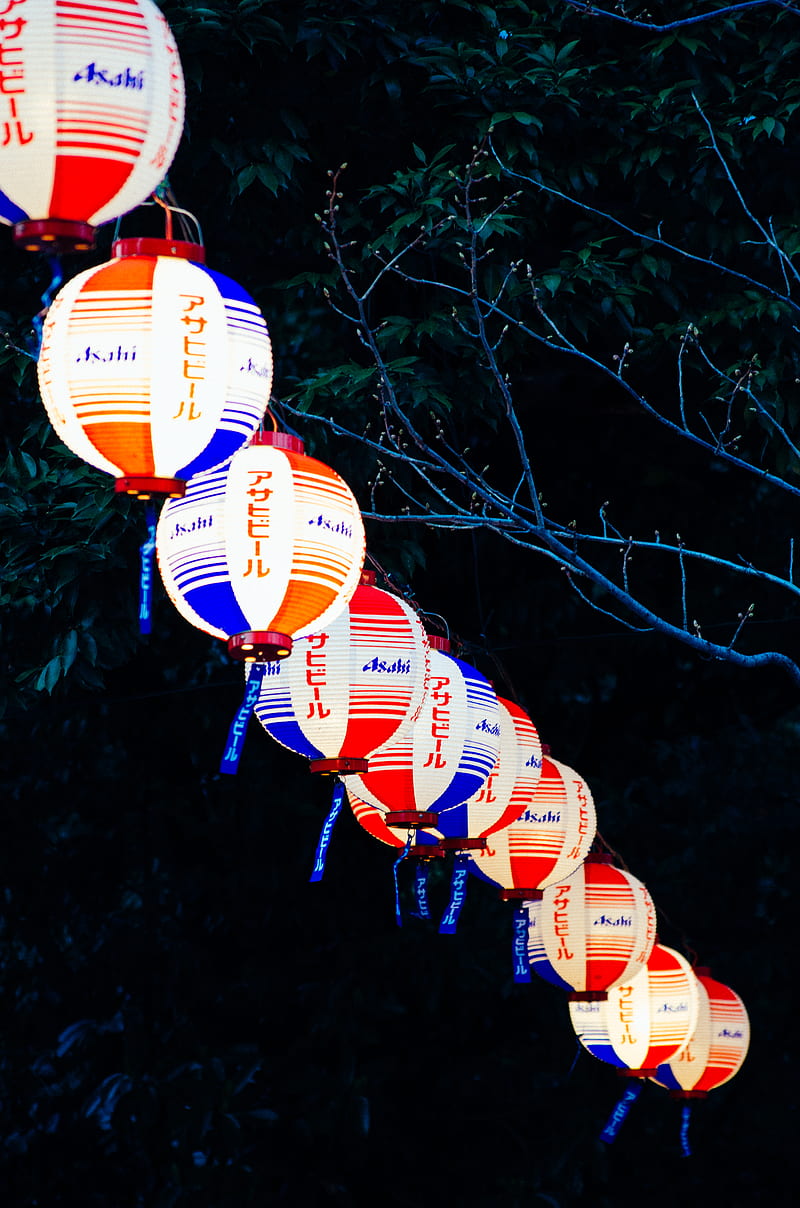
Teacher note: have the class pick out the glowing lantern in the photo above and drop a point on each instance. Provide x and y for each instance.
(644, 1021)
(153, 368)
(547, 841)
(93, 103)
(351, 687)
(717, 1047)
(449, 754)
(263, 550)
(592, 930)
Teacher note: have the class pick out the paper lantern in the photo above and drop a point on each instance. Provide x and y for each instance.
(266, 549)
(449, 754)
(592, 930)
(717, 1047)
(154, 368)
(548, 841)
(351, 687)
(646, 1020)
(93, 104)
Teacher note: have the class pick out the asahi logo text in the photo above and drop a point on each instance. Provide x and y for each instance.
(398, 667)
(105, 355)
(182, 530)
(549, 816)
(332, 526)
(256, 368)
(605, 920)
(92, 74)
(487, 727)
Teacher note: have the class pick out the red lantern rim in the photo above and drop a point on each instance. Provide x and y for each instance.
(58, 235)
(180, 249)
(279, 440)
(411, 818)
(342, 766)
(513, 895)
(464, 843)
(259, 646)
(143, 486)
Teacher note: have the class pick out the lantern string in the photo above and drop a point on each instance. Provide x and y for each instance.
(398, 914)
(146, 574)
(620, 1112)
(56, 277)
(323, 843)
(522, 969)
(458, 892)
(423, 910)
(686, 1115)
(233, 748)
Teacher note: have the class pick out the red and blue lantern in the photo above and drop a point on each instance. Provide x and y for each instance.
(352, 687)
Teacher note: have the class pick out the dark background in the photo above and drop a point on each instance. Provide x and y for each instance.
(185, 1019)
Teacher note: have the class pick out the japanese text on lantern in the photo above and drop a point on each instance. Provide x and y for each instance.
(258, 518)
(159, 159)
(12, 74)
(316, 674)
(194, 353)
(561, 922)
(583, 820)
(440, 720)
(650, 929)
(624, 998)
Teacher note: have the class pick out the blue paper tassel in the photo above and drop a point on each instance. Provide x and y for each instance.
(398, 914)
(522, 969)
(458, 892)
(323, 843)
(421, 890)
(686, 1116)
(617, 1117)
(233, 748)
(146, 576)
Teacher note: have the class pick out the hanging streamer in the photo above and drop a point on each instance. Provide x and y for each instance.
(146, 576)
(617, 1117)
(398, 914)
(421, 890)
(458, 892)
(686, 1115)
(323, 843)
(233, 748)
(522, 969)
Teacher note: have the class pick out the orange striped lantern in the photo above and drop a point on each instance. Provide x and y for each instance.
(646, 1020)
(266, 549)
(547, 841)
(92, 102)
(449, 754)
(351, 687)
(717, 1047)
(152, 367)
(592, 930)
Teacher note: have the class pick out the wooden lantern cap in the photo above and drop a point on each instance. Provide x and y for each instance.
(280, 440)
(411, 818)
(516, 895)
(464, 843)
(367, 578)
(599, 857)
(179, 249)
(57, 235)
(587, 996)
(259, 645)
(144, 487)
(338, 767)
